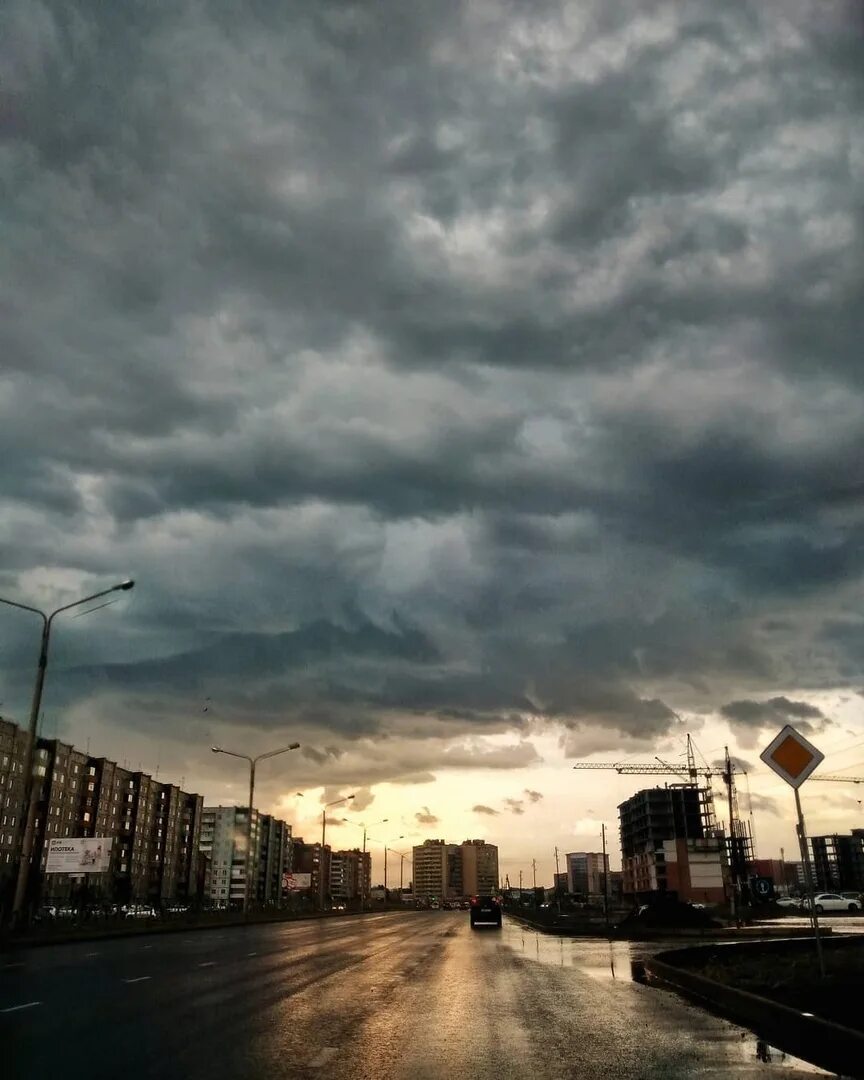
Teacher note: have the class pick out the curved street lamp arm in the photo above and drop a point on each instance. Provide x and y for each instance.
(25, 607)
(232, 753)
(282, 750)
(86, 599)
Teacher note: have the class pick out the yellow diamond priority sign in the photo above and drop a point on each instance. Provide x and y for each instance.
(792, 756)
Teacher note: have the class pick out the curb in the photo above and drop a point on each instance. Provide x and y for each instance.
(822, 1042)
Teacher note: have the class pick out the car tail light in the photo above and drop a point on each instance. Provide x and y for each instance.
(474, 901)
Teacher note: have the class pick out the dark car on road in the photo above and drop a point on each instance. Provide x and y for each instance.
(485, 909)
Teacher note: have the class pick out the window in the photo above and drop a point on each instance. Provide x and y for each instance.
(86, 815)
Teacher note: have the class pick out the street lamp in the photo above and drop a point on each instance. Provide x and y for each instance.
(26, 845)
(401, 836)
(336, 802)
(403, 855)
(252, 763)
(364, 826)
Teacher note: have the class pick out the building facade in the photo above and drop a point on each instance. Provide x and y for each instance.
(314, 860)
(587, 872)
(434, 862)
(448, 871)
(152, 827)
(479, 868)
(224, 837)
(350, 875)
(838, 861)
(664, 849)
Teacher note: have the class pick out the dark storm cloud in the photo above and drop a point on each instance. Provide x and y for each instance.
(766, 804)
(533, 796)
(748, 718)
(426, 817)
(515, 806)
(487, 810)
(437, 369)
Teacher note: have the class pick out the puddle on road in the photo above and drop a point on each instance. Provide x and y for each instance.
(611, 961)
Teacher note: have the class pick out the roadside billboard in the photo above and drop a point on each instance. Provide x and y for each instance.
(295, 882)
(78, 855)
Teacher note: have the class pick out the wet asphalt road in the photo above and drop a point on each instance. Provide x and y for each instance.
(408, 996)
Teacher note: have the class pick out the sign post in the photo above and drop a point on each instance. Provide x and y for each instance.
(794, 758)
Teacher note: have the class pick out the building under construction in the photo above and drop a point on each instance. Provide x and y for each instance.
(666, 848)
(671, 841)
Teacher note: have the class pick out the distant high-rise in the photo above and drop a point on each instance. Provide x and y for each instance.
(479, 868)
(443, 870)
(350, 875)
(587, 872)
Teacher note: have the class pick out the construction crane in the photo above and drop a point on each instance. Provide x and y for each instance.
(839, 779)
(739, 838)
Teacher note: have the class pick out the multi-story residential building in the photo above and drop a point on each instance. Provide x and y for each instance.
(838, 861)
(274, 858)
(587, 872)
(664, 848)
(479, 868)
(433, 868)
(14, 742)
(350, 875)
(152, 827)
(224, 840)
(445, 871)
(308, 859)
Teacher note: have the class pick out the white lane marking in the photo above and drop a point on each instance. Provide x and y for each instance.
(141, 978)
(251, 953)
(15, 1008)
(321, 1059)
(208, 963)
(92, 954)
(146, 946)
(18, 963)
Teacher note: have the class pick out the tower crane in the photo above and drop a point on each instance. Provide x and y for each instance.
(838, 779)
(738, 835)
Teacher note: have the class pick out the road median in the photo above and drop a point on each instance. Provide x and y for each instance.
(769, 987)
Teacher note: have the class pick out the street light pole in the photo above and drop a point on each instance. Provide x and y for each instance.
(25, 847)
(336, 802)
(252, 763)
(362, 824)
(400, 837)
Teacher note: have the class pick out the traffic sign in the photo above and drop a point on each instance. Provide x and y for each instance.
(792, 756)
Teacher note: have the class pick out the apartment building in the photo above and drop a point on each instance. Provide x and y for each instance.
(13, 756)
(152, 827)
(274, 858)
(350, 875)
(312, 859)
(587, 872)
(479, 868)
(443, 871)
(224, 839)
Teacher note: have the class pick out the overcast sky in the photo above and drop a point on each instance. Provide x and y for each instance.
(469, 388)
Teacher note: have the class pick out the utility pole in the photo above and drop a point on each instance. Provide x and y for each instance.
(557, 881)
(520, 886)
(733, 853)
(808, 879)
(605, 877)
(534, 871)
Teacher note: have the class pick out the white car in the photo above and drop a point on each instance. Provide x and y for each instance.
(832, 901)
(788, 902)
